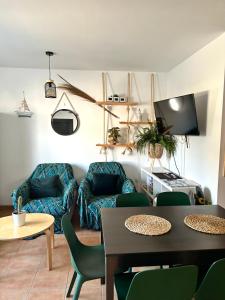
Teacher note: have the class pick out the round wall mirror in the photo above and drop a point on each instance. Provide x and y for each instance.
(65, 122)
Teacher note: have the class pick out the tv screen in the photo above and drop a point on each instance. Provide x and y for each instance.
(177, 115)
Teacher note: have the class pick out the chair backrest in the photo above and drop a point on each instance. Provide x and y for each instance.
(112, 167)
(212, 286)
(172, 198)
(132, 200)
(75, 246)
(177, 283)
(64, 171)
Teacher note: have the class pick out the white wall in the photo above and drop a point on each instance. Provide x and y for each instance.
(203, 74)
(221, 182)
(26, 142)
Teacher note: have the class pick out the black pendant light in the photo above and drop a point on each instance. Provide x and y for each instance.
(50, 87)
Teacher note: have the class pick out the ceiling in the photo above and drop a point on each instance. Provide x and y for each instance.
(142, 35)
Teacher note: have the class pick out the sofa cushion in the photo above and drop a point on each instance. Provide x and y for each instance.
(45, 187)
(104, 184)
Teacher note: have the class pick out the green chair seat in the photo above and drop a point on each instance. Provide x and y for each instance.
(212, 286)
(132, 200)
(172, 199)
(91, 262)
(162, 284)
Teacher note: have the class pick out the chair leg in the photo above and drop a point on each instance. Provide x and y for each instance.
(71, 284)
(78, 284)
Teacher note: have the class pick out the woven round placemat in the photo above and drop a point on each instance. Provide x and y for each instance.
(147, 225)
(206, 223)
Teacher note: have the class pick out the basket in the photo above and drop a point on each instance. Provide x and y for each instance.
(155, 151)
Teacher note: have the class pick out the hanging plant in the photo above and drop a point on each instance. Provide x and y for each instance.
(156, 142)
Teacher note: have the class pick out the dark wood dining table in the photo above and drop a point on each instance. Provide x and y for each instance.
(181, 245)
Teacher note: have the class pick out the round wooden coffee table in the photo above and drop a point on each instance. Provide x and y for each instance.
(35, 224)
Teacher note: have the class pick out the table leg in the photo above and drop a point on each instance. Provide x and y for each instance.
(110, 269)
(49, 248)
(52, 236)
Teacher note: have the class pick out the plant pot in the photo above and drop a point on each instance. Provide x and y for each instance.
(155, 151)
(112, 141)
(19, 218)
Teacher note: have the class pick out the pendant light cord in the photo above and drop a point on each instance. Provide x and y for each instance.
(49, 67)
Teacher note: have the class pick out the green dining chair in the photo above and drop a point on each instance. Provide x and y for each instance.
(212, 286)
(172, 199)
(87, 261)
(177, 283)
(132, 200)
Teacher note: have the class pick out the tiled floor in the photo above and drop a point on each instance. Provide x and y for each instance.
(23, 273)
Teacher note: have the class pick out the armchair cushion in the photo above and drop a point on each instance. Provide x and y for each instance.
(45, 187)
(104, 184)
(50, 205)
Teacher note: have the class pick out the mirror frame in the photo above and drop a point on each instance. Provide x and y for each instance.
(76, 116)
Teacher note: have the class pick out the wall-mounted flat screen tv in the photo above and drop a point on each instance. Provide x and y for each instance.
(177, 115)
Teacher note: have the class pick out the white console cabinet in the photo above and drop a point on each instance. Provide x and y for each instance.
(161, 180)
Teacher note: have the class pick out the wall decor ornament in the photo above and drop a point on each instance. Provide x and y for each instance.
(75, 91)
(65, 121)
(50, 87)
(23, 110)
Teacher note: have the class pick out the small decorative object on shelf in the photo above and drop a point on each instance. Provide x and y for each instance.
(19, 215)
(24, 110)
(123, 99)
(50, 87)
(114, 134)
(139, 115)
(117, 98)
(114, 98)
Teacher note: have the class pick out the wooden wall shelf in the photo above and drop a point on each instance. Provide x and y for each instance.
(109, 103)
(136, 123)
(116, 145)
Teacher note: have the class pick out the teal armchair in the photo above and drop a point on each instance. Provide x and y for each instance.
(90, 204)
(56, 206)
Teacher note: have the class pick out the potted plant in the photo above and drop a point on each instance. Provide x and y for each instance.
(114, 134)
(19, 215)
(155, 142)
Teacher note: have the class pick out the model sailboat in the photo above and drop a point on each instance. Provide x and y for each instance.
(24, 110)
